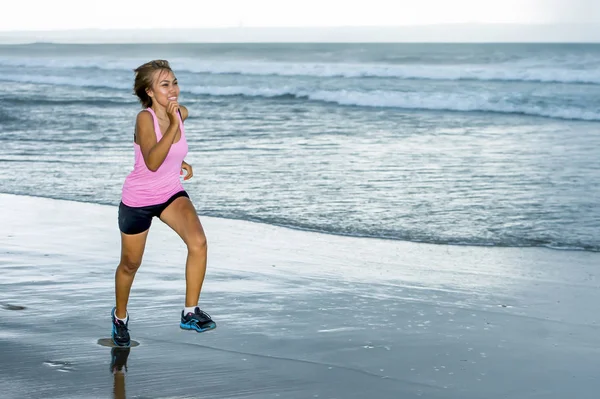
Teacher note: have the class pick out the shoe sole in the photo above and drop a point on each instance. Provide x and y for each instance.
(119, 345)
(197, 329)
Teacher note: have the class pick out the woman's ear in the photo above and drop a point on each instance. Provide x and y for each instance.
(150, 92)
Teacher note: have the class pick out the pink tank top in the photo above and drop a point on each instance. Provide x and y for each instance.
(143, 187)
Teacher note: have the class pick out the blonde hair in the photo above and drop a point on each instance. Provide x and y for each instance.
(143, 79)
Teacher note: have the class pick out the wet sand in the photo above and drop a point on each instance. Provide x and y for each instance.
(299, 314)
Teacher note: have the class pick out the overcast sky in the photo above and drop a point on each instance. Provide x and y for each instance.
(129, 14)
(44, 15)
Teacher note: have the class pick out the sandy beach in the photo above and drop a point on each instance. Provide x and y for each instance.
(299, 314)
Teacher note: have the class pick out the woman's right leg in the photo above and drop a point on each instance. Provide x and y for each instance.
(132, 251)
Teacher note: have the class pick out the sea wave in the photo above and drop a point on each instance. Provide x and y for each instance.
(436, 101)
(79, 81)
(504, 72)
(501, 73)
(442, 100)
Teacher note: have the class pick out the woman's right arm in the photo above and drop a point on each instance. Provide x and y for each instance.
(154, 152)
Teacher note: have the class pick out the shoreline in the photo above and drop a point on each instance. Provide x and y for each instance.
(336, 234)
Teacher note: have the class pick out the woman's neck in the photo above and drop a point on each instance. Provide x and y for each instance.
(160, 112)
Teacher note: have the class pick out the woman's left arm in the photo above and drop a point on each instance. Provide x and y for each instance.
(184, 165)
(184, 112)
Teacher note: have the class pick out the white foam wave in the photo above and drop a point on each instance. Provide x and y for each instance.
(70, 63)
(439, 101)
(485, 101)
(119, 84)
(555, 71)
(424, 72)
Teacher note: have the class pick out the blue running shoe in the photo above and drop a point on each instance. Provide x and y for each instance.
(199, 321)
(120, 333)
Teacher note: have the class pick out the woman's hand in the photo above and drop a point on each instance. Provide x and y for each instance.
(172, 110)
(188, 170)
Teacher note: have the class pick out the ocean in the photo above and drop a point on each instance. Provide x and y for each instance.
(462, 144)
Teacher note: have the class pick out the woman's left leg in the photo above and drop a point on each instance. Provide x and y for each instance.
(181, 216)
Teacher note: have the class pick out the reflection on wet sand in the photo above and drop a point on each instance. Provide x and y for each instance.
(118, 368)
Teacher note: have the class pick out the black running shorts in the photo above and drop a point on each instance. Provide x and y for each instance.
(137, 220)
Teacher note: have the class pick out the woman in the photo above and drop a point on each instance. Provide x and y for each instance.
(152, 189)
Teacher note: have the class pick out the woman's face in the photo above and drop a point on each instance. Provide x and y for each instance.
(164, 88)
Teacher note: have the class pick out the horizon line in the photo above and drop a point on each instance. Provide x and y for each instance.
(425, 33)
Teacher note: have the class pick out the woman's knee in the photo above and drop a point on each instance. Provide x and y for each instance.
(197, 243)
(130, 265)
